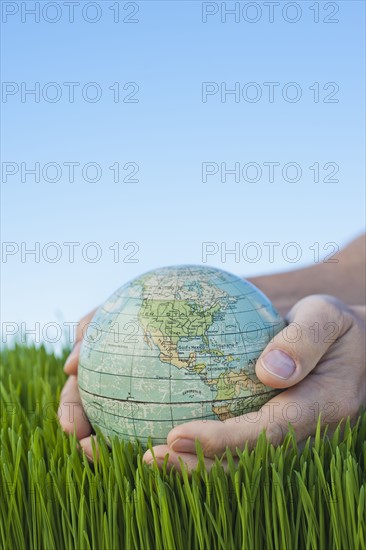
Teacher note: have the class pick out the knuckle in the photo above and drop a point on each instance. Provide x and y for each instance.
(350, 404)
(291, 334)
(275, 431)
(211, 446)
(326, 306)
(221, 436)
(324, 311)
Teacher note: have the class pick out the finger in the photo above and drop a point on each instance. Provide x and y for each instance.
(190, 460)
(71, 364)
(71, 411)
(294, 352)
(214, 435)
(87, 446)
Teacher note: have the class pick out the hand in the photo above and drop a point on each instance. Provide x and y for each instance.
(319, 357)
(343, 276)
(320, 382)
(71, 409)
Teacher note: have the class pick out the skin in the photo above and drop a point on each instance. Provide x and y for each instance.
(329, 375)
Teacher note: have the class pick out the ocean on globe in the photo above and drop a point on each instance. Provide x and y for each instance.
(176, 344)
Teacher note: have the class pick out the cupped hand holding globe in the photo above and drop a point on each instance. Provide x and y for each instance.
(323, 371)
(321, 376)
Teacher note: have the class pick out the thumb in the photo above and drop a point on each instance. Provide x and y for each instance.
(315, 323)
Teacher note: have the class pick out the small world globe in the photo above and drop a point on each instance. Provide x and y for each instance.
(173, 345)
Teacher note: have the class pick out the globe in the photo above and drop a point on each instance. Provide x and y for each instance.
(176, 344)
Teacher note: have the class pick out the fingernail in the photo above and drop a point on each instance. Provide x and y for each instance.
(150, 460)
(279, 364)
(148, 457)
(158, 461)
(183, 445)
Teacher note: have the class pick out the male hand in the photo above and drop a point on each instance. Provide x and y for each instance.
(319, 357)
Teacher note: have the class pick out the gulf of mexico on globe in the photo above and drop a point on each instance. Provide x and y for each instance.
(173, 345)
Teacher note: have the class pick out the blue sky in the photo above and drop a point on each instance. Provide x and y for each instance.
(166, 134)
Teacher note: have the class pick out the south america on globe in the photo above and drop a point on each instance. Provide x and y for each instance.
(175, 344)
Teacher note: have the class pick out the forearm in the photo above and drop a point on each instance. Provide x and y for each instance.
(343, 278)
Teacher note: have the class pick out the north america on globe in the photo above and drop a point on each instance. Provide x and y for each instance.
(175, 344)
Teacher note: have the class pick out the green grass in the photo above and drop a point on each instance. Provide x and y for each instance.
(275, 498)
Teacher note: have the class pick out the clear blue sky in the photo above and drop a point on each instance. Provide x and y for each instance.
(168, 132)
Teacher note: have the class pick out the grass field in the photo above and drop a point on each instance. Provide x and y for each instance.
(276, 498)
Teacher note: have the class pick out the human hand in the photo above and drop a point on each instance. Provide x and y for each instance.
(319, 357)
(70, 409)
(324, 337)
